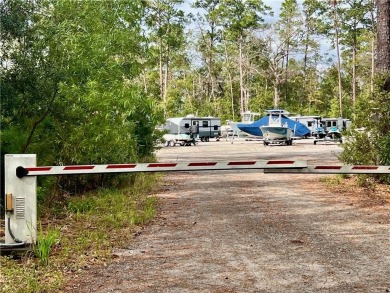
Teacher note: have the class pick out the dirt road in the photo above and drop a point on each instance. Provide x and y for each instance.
(252, 232)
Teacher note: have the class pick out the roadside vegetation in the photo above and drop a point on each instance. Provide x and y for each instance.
(371, 144)
(80, 232)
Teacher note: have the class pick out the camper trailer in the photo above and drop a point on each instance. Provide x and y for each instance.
(202, 128)
(340, 123)
(320, 126)
(311, 122)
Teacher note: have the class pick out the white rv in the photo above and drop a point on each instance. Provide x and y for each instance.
(202, 128)
(316, 123)
(311, 122)
(341, 123)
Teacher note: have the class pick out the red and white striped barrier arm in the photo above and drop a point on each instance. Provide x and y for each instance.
(157, 167)
(345, 169)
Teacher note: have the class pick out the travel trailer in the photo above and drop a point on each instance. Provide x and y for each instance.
(320, 126)
(202, 128)
(311, 122)
(340, 123)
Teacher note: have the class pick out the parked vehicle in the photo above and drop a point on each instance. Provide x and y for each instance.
(197, 128)
(333, 135)
(276, 132)
(340, 123)
(319, 126)
(247, 117)
(277, 117)
(312, 122)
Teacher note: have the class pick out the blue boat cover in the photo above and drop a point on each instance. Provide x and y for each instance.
(298, 128)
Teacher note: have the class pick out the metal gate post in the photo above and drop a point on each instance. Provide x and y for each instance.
(20, 201)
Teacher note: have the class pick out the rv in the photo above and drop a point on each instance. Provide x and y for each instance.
(311, 122)
(202, 128)
(320, 126)
(340, 123)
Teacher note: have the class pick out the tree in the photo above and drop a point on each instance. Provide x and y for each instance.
(209, 37)
(355, 18)
(166, 24)
(69, 82)
(383, 60)
(376, 108)
(289, 28)
(238, 17)
(383, 68)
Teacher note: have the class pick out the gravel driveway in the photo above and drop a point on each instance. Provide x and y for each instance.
(246, 231)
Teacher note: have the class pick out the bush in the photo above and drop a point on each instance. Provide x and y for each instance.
(371, 147)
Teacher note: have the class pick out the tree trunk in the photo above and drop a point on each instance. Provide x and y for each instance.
(383, 60)
(242, 106)
(354, 49)
(230, 81)
(373, 32)
(276, 95)
(336, 27)
(161, 69)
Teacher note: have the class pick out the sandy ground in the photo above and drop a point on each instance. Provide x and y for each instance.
(245, 231)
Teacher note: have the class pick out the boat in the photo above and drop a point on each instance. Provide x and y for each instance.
(247, 118)
(299, 129)
(276, 131)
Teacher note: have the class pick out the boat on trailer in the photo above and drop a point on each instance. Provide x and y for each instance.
(247, 118)
(276, 132)
(254, 129)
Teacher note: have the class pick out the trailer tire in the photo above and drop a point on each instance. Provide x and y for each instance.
(172, 143)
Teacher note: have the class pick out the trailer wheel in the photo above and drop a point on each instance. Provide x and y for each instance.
(167, 143)
(172, 143)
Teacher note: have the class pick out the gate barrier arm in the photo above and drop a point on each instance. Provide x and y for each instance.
(158, 167)
(336, 169)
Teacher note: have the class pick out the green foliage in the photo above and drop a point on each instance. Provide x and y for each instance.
(46, 241)
(70, 95)
(359, 149)
(373, 145)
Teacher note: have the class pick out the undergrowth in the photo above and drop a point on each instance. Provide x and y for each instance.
(82, 235)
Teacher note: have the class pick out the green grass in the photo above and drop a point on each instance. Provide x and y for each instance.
(90, 226)
(45, 243)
